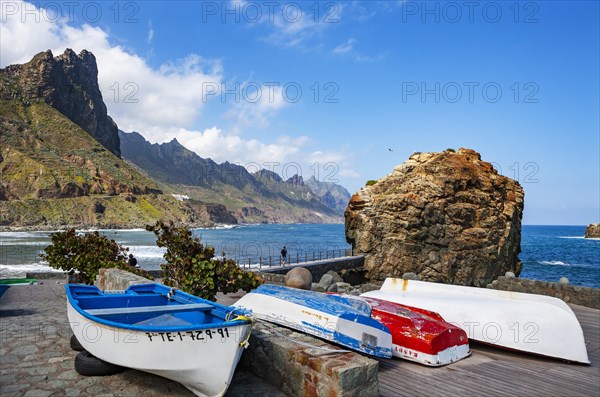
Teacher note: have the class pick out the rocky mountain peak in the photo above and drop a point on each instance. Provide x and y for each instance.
(296, 180)
(267, 174)
(68, 83)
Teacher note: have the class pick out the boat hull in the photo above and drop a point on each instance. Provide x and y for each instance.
(351, 329)
(419, 335)
(526, 322)
(202, 358)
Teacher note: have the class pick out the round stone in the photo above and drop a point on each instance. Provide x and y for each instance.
(326, 280)
(563, 280)
(298, 277)
(410, 276)
(509, 275)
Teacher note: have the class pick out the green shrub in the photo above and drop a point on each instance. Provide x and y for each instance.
(451, 150)
(193, 268)
(87, 253)
(371, 182)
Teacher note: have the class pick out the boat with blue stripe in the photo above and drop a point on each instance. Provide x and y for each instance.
(340, 319)
(161, 330)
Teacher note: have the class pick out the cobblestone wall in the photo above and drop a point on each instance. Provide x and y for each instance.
(117, 279)
(296, 364)
(319, 268)
(575, 294)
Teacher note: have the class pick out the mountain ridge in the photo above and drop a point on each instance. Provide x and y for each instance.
(252, 197)
(63, 161)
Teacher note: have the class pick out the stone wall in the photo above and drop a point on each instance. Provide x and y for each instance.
(319, 268)
(117, 279)
(272, 278)
(296, 364)
(575, 294)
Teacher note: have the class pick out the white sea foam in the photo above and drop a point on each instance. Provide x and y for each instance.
(122, 230)
(17, 235)
(225, 226)
(581, 238)
(220, 226)
(147, 251)
(15, 271)
(554, 263)
(41, 244)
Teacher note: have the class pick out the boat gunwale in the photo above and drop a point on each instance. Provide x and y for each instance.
(153, 328)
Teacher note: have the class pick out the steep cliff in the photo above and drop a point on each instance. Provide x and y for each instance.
(448, 217)
(53, 172)
(68, 83)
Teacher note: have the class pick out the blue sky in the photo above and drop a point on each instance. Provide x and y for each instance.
(518, 82)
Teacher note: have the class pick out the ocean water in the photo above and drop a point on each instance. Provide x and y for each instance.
(551, 252)
(548, 252)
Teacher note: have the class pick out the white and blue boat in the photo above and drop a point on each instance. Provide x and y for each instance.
(340, 319)
(157, 329)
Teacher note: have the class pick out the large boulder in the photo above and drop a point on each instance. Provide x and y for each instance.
(447, 217)
(592, 231)
(299, 277)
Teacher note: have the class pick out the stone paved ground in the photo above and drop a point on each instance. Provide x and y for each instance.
(36, 360)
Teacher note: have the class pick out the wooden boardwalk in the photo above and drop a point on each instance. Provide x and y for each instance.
(495, 372)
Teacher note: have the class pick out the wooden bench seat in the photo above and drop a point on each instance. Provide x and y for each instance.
(149, 309)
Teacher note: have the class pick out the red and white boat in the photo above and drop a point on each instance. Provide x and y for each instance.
(420, 335)
(417, 334)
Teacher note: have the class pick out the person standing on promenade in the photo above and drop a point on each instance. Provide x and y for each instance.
(284, 255)
(132, 261)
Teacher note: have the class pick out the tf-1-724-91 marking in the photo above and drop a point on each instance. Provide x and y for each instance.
(199, 335)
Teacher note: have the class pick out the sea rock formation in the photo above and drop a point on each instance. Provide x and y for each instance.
(592, 231)
(68, 83)
(447, 217)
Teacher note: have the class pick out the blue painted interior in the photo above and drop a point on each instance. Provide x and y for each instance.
(84, 297)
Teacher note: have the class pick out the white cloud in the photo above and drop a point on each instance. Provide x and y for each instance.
(292, 24)
(370, 58)
(344, 47)
(170, 98)
(135, 94)
(361, 11)
(150, 32)
(334, 164)
(255, 107)
(214, 143)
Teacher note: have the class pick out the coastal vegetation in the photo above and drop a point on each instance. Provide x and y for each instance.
(87, 253)
(192, 267)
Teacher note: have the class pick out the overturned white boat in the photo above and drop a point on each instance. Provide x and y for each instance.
(344, 320)
(526, 322)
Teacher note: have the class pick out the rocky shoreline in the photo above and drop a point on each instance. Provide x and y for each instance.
(50, 228)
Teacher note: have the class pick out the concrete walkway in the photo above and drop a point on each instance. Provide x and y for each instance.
(36, 359)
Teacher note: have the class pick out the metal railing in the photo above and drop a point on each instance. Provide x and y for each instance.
(261, 262)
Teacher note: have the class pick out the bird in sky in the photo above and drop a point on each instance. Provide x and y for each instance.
(391, 150)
